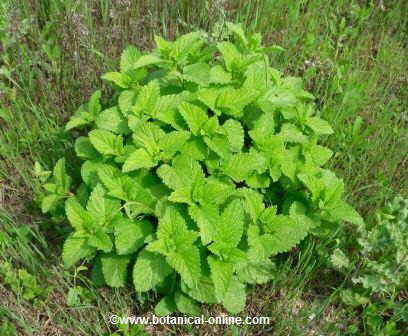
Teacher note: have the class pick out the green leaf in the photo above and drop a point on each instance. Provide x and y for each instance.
(186, 261)
(219, 76)
(129, 58)
(166, 306)
(147, 98)
(184, 172)
(140, 158)
(339, 259)
(84, 149)
(235, 297)
(101, 241)
(254, 204)
(126, 101)
(206, 218)
(49, 202)
(112, 120)
(263, 128)
(131, 235)
(74, 122)
(94, 104)
(204, 292)
(118, 78)
(235, 134)
(240, 166)
(194, 116)
(233, 101)
(147, 60)
(182, 195)
(319, 126)
(198, 73)
(186, 45)
(232, 57)
(61, 177)
(150, 270)
(186, 305)
(102, 207)
(290, 133)
(106, 142)
(80, 219)
(221, 275)
(256, 272)
(75, 249)
(173, 142)
(229, 230)
(343, 211)
(114, 268)
(215, 190)
(237, 30)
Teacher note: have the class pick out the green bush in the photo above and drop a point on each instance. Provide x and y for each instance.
(203, 165)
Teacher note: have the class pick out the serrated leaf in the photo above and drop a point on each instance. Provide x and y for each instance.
(131, 235)
(184, 172)
(114, 268)
(254, 204)
(74, 122)
(219, 76)
(319, 126)
(206, 218)
(78, 217)
(182, 195)
(173, 142)
(117, 78)
(235, 297)
(232, 57)
(106, 142)
(75, 249)
(49, 202)
(343, 211)
(240, 166)
(215, 190)
(197, 73)
(221, 275)
(150, 270)
(84, 149)
(102, 208)
(147, 60)
(256, 272)
(204, 292)
(101, 241)
(230, 228)
(263, 128)
(126, 101)
(186, 261)
(61, 177)
(194, 116)
(185, 304)
(147, 98)
(290, 133)
(140, 158)
(94, 104)
(112, 120)
(237, 30)
(235, 134)
(166, 306)
(339, 259)
(129, 58)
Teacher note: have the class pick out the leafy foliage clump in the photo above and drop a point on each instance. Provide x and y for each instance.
(203, 165)
(383, 251)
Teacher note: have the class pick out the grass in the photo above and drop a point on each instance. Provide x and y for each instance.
(352, 54)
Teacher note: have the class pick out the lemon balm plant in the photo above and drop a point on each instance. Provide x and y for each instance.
(203, 165)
